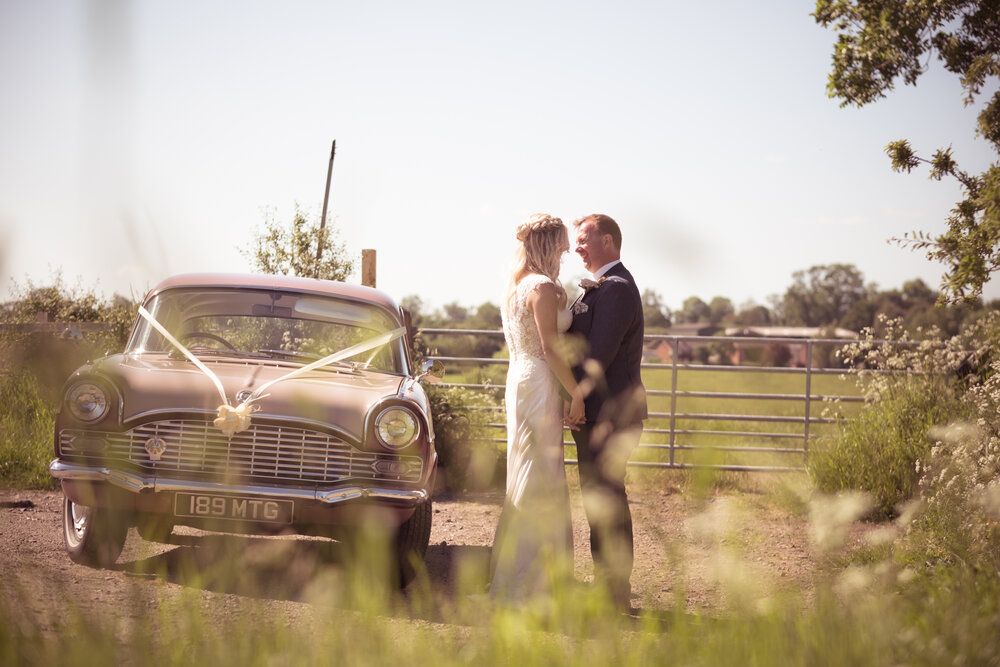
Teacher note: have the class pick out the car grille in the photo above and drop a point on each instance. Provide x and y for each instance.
(262, 453)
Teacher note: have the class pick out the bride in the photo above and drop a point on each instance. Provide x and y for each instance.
(534, 539)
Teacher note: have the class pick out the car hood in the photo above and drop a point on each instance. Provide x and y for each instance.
(158, 383)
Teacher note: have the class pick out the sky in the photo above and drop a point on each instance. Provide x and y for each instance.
(144, 139)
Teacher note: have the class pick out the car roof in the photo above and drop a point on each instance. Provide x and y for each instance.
(282, 283)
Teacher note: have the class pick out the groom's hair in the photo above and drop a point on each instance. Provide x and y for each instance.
(605, 225)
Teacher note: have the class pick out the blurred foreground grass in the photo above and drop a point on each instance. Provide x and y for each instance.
(864, 610)
(570, 633)
(873, 606)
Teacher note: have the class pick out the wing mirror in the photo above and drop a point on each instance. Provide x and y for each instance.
(431, 371)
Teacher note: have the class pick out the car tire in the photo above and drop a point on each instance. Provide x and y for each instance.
(94, 536)
(154, 527)
(411, 542)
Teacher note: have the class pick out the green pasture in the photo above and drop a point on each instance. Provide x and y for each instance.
(706, 441)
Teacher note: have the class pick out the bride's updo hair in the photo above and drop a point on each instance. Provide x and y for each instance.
(540, 245)
(541, 240)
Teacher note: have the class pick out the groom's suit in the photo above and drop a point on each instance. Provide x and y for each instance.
(611, 324)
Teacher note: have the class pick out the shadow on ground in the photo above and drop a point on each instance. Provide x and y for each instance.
(312, 570)
(325, 572)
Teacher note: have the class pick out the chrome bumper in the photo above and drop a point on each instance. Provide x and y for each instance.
(142, 483)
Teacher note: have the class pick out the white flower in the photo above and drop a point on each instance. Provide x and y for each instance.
(853, 580)
(830, 517)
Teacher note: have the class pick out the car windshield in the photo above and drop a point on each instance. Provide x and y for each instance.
(265, 324)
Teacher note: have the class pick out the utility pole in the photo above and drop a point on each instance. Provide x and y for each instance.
(326, 200)
(368, 267)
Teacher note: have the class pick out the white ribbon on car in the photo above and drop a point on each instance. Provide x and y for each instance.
(233, 419)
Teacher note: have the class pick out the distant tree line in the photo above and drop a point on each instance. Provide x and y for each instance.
(824, 296)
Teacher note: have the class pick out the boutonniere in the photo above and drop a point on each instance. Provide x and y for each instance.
(588, 284)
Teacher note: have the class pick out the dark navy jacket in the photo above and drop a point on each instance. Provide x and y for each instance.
(612, 327)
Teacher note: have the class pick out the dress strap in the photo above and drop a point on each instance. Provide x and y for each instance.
(533, 281)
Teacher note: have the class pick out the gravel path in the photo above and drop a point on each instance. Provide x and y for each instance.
(682, 548)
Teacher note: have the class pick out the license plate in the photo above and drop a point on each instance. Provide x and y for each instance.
(237, 509)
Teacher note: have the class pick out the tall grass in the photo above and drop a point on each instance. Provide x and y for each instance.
(26, 424)
(184, 634)
(866, 615)
(877, 450)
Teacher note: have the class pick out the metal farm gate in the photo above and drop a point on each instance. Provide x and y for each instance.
(746, 417)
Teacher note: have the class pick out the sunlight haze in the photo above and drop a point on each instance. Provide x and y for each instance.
(140, 140)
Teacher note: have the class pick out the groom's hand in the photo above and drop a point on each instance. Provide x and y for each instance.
(566, 420)
(573, 412)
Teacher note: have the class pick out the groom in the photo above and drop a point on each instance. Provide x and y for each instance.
(608, 317)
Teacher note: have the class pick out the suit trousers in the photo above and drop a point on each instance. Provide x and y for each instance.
(602, 452)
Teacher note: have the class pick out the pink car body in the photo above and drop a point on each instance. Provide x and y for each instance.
(135, 442)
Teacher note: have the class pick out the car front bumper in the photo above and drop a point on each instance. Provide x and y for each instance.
(142, 484)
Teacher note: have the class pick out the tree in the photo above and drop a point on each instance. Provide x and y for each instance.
(917, 292)
(823, 295)
(291, 250)
(455, 314)
(655, 313)
(862, 313)
(720, 309)
(752, 315)
(881, 41)
(487, 316)
(415, 305)
(694, 310)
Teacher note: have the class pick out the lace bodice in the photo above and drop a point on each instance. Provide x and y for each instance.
(519, 328)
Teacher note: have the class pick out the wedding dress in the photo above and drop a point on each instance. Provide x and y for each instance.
(534, 539)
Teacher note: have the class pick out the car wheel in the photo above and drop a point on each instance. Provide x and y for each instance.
(154, 527)
(411, 542)
(94, 536)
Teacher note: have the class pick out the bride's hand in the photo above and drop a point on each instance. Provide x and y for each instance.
(575, 415)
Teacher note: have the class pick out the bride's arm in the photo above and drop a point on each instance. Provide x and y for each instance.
(544, 302)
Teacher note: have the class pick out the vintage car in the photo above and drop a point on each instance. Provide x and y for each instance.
(141, 438)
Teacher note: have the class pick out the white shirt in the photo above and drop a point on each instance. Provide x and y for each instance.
(604, 269)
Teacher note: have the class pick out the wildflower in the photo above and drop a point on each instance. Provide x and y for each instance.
(852, 581)
(712, 525)
(830, 517)
(908, 511)
(881, 535)
(990, 500)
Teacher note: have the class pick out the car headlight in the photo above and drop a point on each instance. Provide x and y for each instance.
(87, 402)
(396, 427)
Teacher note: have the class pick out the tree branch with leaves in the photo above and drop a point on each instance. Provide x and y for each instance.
(882, 41)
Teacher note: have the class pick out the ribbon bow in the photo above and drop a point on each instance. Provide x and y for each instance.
(233, 419)
(588, 284)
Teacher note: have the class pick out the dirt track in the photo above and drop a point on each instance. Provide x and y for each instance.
(671, 534)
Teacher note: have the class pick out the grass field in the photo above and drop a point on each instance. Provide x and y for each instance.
(719, 441)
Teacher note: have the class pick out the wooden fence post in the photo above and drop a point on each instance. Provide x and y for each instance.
(368, 275)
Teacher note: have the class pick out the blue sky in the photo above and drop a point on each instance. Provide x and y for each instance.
(139, 140)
